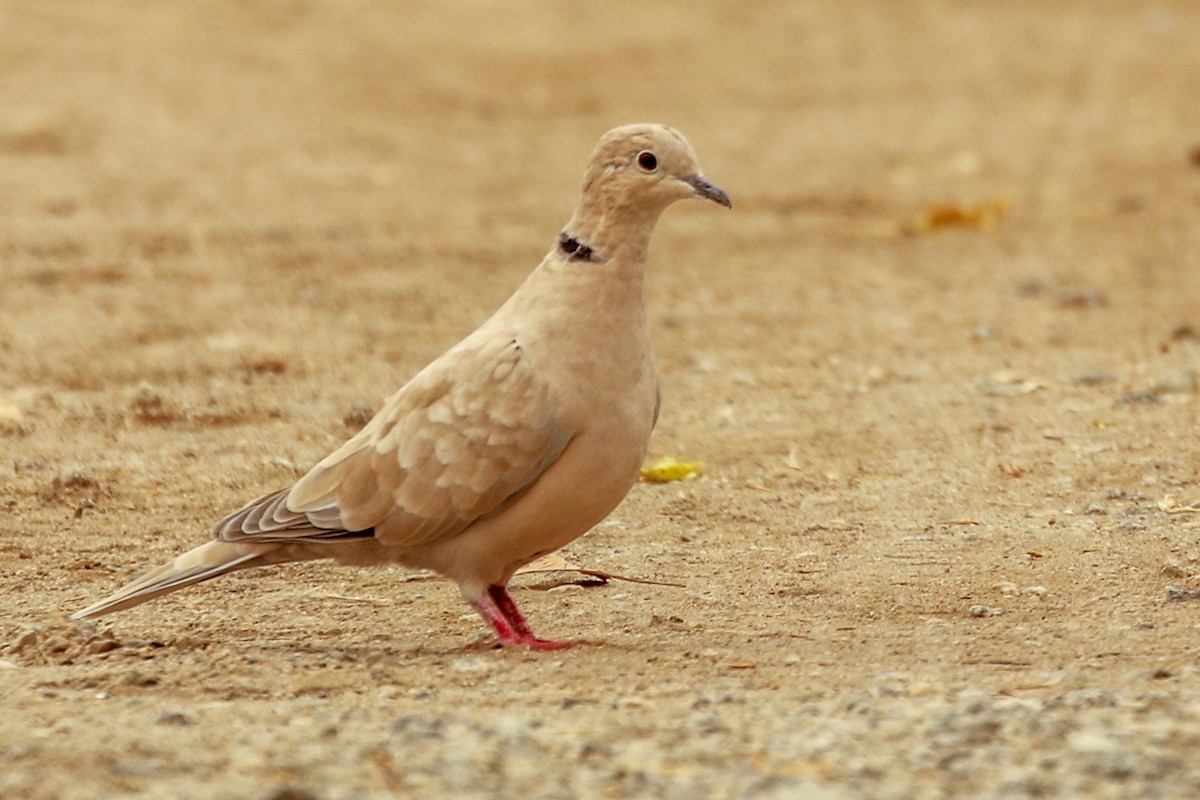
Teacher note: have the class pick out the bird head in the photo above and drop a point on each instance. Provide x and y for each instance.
(646, 167)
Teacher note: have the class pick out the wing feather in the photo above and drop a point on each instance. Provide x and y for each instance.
(462, 440)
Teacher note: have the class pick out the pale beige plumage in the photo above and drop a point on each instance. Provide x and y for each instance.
(511, 444)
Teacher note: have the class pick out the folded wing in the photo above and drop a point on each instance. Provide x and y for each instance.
(462, 440)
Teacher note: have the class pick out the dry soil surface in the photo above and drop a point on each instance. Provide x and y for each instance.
(945, 544)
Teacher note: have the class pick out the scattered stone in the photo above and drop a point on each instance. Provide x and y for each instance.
(1031, 287)
(1185, 332)
(787, 788)
(1121, 494)
(1172, 570)
(291, 793)
(136, 677)
(1130, 204)
(264, 365)
(72, 487)
(174, 718)
(1141, 508)
(1091, 379)
(60, 643)
(149, 404)
(418, 727)
(12, 419)
(24, 640)
(101, 643)
(1083, 298)
(358, 415)
(994, 388)
(1178, 595)
(980, 611)
(73, 480)
(632, 702)
(1144, 397)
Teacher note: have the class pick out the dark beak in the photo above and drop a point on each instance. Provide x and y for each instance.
(709, 191)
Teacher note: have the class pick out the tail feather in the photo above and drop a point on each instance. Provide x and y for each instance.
(201, 564)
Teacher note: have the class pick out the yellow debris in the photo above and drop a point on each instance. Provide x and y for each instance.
(982, 216)
(669, 468)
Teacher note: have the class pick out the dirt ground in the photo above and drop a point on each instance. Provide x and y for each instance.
(945, 544)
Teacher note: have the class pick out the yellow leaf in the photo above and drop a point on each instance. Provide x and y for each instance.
(982, 216)
(669, 468)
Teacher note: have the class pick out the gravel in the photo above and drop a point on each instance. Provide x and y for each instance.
(899, 740)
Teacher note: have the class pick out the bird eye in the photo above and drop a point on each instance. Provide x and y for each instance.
(647, 161)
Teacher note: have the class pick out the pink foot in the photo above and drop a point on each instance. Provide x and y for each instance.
(498, 610)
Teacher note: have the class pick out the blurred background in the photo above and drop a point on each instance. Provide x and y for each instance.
(153, 141)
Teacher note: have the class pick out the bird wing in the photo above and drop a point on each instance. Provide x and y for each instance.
(461, 441)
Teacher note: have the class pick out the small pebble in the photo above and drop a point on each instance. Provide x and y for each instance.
(174, 718)
(1178, 595)
(358, 415)
(632, 702)
(73, 479)
(148, 403)
(11, 418)
(1091, 379)
(1083, 298)
(1145, 397)
(1185, 331)
(291, 793)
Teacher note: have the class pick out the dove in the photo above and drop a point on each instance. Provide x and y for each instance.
(514, 442)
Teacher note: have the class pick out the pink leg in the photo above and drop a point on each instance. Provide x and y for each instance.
(498, 610)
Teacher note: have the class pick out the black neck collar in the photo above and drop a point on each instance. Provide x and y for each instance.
(574, 249)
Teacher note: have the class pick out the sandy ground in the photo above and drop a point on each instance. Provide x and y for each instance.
(945, 545)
